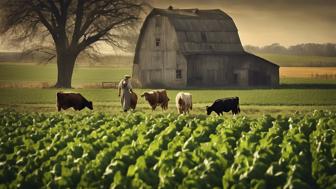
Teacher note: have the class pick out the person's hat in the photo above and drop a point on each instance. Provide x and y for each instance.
(127, 76)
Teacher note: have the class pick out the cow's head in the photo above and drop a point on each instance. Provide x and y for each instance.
(146, 95)
(208, 109)
(181, 104)
(90, 105)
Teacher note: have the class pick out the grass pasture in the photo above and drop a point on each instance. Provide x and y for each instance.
(253, 102)
(86, 75)
(295, 93)
(247, 97)
(48, 73)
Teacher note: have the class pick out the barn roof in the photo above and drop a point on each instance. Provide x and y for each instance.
(202, 31)
(233, 57)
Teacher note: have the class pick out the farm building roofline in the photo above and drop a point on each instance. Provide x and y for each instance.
(232, 55)
(192, 13)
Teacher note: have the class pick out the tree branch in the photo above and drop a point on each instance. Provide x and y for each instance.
(78, 22)
(90, 40)
(45, 22)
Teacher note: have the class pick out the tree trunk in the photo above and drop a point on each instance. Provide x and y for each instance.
(65, 66)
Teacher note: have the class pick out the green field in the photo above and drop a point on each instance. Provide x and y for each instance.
(294, 94)
(48, 73)
(99, 150)
(253, 102)
(11, 73)
(299, 61)
(283, 138)
(247, 97)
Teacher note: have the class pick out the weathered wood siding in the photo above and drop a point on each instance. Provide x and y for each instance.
(157, 65)
(230, 71)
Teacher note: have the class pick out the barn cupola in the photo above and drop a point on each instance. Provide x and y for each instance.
(195, 11)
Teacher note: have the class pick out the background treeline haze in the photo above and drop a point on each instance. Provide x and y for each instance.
(307, 49)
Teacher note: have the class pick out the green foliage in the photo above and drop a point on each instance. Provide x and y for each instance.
(98, 150)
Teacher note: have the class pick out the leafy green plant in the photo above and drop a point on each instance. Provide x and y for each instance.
(97, 150)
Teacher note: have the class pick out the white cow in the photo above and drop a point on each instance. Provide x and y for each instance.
(183, 102)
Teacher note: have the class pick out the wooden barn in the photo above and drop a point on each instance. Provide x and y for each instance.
(180, 48)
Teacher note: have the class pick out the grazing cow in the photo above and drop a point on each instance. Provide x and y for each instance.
(134, 100)
(74, 100)
(183, 102)
(157, 97)
(224, 105)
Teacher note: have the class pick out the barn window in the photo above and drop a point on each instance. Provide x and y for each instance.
(157, 42)
(204, 37)
(178, 74)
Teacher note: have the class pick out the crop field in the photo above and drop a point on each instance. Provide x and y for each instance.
(309, 72)
(99, 150)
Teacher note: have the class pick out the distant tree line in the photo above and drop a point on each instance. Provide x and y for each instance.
(308, 49)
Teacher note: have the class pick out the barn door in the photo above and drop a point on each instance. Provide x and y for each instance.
(192, 74)
(155, 78)
(211, 76)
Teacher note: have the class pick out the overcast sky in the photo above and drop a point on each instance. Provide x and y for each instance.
(262, 22)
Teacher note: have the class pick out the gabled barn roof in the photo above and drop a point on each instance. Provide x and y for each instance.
(201, 31)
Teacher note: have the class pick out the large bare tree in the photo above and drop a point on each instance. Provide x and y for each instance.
(71, 26)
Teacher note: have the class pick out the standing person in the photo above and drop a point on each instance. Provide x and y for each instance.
(126, 88)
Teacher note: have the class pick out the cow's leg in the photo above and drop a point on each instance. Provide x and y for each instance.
(235, 111)
(59, 108)
(163, 106)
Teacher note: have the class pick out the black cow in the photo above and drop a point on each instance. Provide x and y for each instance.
(74, 100)
(224, 105)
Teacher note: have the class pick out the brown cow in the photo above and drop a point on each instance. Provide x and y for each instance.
(134, 100)
(157, 97)
(74, 100)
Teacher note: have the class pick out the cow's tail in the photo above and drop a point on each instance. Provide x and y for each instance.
(238, 108)
(58, 100)
(191, 102)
